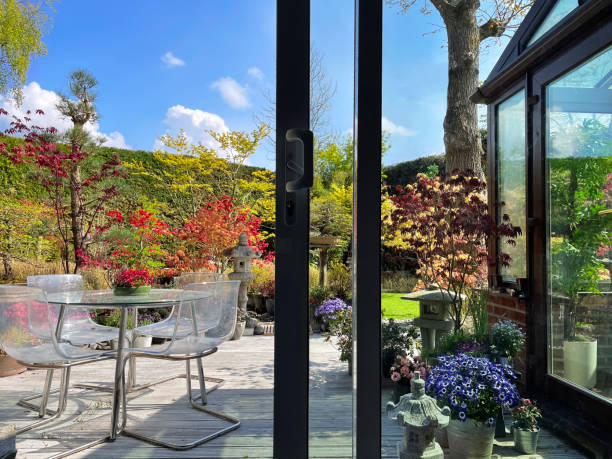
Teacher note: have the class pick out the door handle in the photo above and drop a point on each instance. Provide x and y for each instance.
(298, 159)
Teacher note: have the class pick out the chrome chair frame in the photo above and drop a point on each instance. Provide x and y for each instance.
(234, 422)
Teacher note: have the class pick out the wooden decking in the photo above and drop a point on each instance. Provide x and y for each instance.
(247, 367)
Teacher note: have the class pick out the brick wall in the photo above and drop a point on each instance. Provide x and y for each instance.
(504, 306)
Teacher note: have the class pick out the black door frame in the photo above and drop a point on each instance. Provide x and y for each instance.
(292, 233)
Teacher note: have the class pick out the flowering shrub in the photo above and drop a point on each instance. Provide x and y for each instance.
(507, 337)
(341, 326)
(473, 387)
(328, 311)
(404, 368)
(461, 342)
(127, 241)
(446, 225)
(133, 278)
(263, 280)
(397, 341)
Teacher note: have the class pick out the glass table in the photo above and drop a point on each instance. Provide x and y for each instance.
(106, 299)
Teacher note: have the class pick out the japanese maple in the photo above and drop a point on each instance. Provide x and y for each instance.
(54, 164)
(215, 227)
(446, 225)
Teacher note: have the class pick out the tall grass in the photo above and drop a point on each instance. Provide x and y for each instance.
(397, 282)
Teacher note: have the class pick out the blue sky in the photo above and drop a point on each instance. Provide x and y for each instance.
(194, 64)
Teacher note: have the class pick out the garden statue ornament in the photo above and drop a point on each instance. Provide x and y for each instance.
(241, 256)
(420, 416)
(433, 317)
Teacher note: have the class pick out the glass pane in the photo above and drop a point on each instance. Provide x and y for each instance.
(331, 205)
(511, 188)
(579, 167)
(556, 14)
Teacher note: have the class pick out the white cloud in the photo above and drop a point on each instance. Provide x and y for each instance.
(195, 123)
(395, 129)
(256, 73)
(35, 98)
(170, 60)
(232, 93)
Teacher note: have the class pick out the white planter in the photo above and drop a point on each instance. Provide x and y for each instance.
(468, 440)
(580, 362)
(142, 341)
(248, 331)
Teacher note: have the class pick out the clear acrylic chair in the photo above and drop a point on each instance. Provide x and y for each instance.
(78, 329)
(196, 278)
(212, 321)
(29, 334)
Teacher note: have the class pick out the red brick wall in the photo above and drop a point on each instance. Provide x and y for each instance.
(504, 306)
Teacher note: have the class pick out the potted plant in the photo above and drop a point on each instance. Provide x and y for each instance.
(136, 281)
(475, 389)
(525, 426)
(111, 318)
(9, 366)
(507, 340)
(338, 317)
(268, 294)
(319, 295)
(402, 371)
(397, 341)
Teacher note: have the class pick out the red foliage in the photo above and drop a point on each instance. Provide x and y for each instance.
(214, 228)
(133, 278)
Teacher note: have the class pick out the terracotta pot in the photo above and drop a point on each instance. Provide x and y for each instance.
(468, 440)
(9, 366)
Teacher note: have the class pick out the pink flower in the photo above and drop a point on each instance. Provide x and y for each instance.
(395, 376)
(527, 401)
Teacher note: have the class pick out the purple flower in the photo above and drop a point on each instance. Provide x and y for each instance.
(329, 309)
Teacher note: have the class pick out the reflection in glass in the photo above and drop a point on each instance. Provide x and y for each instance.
(511, 189)
(561, 9)
(579, 167)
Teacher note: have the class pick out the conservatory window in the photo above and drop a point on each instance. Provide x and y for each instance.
(561, 9)
(579, 209)
(511, 187)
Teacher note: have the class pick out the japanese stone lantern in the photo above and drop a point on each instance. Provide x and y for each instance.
(420, 416)
(433, 315)
(241, 256)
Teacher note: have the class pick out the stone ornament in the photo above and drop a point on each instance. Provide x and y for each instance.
(241, 256)
(420, 416)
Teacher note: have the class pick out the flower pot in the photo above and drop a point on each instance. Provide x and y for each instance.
(9, 366)
(502, 360)
(128, 291)
(442, 437)
(399, 390)
(525, 441)
(468, 440)
(270, 305)
(248, 331)
(239, 330)
(580, 362)
(258, 302)
(115, 343)
(142, 341)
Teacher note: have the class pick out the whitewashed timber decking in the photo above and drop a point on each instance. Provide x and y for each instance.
(247, 367)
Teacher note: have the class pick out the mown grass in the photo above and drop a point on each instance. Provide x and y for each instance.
(396, 308)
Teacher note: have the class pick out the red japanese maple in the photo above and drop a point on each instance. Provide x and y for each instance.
(54, 164)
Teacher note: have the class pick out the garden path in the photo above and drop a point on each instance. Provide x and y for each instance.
(247, 366)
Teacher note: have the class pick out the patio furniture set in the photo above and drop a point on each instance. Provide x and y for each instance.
(47, 325)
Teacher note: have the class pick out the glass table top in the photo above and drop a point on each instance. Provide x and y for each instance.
(107, 298)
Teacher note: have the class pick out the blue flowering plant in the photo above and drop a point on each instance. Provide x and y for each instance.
(330, 310)
(473, 387)
(507, 338)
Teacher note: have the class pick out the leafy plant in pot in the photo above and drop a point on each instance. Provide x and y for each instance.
(525, 426)
(397, 341)
(403, 370)
(507, 340)
(580, 190)
(338, 317)
(136, 281)
(475, 389)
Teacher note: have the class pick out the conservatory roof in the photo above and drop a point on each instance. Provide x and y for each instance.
(549, 27)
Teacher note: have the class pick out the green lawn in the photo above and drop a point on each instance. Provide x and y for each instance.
(396, 308)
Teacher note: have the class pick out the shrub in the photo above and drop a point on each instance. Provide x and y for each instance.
(263, 280)
(461, 342)
(340, 281)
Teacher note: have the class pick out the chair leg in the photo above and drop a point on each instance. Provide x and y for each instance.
(234, 422)
(61, 405)
(45, 394)
(201, 380)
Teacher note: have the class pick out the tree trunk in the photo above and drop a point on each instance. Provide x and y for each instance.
(461, 134)
(76, 214)
(7, 262)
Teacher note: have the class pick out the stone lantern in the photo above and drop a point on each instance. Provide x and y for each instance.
(420, 416)
(433, 315)
(241, 256)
